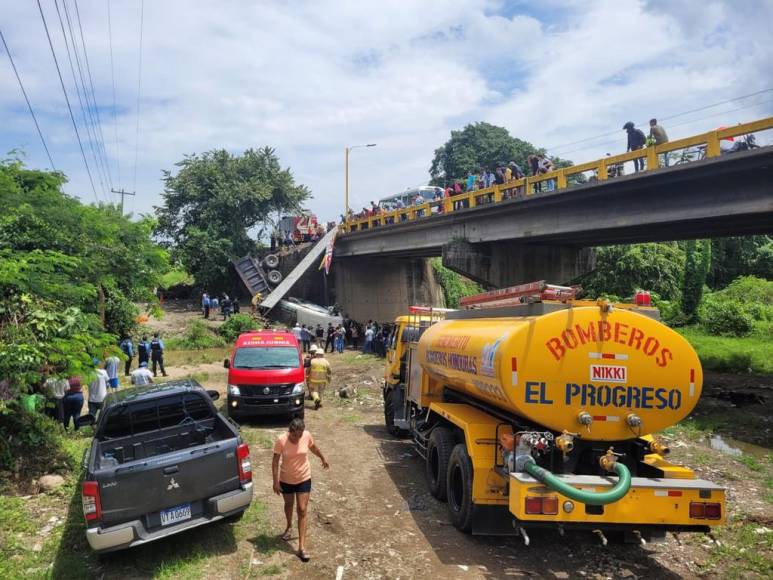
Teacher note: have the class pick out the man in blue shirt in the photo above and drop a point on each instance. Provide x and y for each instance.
(205, 304)
(143, 350)
(157, 354)
(128, 349)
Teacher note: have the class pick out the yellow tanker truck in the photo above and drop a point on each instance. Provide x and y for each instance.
(542, 414)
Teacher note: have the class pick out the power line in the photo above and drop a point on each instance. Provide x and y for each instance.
(26, 98)
(80, 99)
(682, 114)
(139, 92)
(67, 100)
(112, 77)
(88, 115)
(93, 95)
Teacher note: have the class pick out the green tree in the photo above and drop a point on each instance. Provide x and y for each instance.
(740, 256)
(212, 203)
(696, 268)
(480, 145)
(621, 270)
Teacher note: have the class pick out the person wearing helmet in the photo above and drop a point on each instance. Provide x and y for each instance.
(319, 375)
(636, 140)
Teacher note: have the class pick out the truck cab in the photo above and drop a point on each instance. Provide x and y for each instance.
(265, 375)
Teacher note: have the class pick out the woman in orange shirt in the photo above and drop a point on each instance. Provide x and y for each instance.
(292, 477)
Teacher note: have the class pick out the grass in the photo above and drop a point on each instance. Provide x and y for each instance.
(195, 357)
(355, 357)
(742, 550)
(731, 354)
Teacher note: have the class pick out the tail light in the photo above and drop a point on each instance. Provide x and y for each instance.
(539, 505)
(550, 506)
(705, 510)
(243, 459)
(92, 508)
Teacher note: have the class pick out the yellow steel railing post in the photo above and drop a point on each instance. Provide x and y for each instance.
(652, 158)
(601, 172)
(712, 145)
(561, 179)
(497, 194)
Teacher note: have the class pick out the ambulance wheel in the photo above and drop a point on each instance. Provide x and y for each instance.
(275, 276)
(271, 260)
(389, 414)
(439, 448)
(459, 489)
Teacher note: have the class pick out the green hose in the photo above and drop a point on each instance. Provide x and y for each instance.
(587, 497)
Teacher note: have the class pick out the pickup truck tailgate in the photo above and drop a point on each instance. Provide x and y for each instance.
(144, 487)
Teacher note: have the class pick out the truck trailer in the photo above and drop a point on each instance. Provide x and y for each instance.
(542, 410)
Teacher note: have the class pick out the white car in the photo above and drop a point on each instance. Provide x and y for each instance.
(294, 310)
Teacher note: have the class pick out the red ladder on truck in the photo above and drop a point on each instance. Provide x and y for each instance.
(521, 294)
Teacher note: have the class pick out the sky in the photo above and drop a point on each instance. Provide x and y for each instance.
(310, 77)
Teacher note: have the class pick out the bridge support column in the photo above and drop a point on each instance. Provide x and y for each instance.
(383, 288)
(501, 264)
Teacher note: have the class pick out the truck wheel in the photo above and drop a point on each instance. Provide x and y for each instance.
(389, 414)
(459, 489)
(271, 260)
(275, 276)
(439, 448)
(299, 414)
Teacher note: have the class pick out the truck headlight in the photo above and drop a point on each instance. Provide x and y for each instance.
(298, 388)
(234, 390)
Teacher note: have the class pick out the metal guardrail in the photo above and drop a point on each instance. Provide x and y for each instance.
(530, 186)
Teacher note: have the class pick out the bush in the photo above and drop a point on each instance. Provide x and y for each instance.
(236, 325)
(726, 318)
(30, 444)
(197, 336)
(455, 286)
(120, 313)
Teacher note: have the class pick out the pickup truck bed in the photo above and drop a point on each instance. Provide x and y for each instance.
(163, 460)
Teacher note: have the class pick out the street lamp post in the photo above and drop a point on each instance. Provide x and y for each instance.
(346, 174)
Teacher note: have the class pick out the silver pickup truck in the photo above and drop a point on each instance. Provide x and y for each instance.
(162, 461)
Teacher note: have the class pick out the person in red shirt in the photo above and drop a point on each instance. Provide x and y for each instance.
(292, 477)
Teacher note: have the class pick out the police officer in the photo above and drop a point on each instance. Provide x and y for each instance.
(157, 354)
(143, 351)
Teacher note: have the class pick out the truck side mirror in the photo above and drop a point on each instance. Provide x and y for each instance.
(213, 394)
(227, 364)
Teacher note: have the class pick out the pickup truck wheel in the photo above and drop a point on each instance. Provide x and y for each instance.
(439, 448)
(459, 489)
(300, 414)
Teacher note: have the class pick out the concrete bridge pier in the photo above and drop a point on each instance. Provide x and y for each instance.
(501, 264)
(382, 288)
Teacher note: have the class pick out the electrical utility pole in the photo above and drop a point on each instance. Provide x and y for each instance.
(122, 192)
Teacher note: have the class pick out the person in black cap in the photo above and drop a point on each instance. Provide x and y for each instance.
(636, 140)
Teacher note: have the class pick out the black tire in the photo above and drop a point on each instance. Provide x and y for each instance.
(439, 448)
(389, 413)
(271, 260)
(459, 489)
(275, 276)
(299, 414)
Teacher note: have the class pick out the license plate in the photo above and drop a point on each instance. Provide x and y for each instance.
(176, 514)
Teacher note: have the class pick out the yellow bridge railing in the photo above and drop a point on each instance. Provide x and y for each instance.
(560, 179)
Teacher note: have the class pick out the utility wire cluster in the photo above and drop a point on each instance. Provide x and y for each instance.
(80, 94)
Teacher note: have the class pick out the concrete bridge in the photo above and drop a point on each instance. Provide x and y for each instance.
(499, 241)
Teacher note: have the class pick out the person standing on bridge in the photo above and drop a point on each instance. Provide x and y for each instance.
(659, 136)
(636, 141)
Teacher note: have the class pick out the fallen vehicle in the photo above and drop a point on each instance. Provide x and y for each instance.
(532, 409)
(163, 460)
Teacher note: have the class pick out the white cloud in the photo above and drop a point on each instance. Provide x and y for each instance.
(311, 77)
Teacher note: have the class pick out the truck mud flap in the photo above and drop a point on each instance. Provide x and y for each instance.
(492, 520)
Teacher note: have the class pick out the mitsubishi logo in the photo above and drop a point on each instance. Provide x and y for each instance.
(266, 390)
(172, 485)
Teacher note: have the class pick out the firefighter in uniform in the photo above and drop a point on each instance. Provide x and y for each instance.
(319, 375)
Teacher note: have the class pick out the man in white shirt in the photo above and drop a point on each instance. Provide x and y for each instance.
(368, 346)
(97, 390)
(297, 331)
(142, 376)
